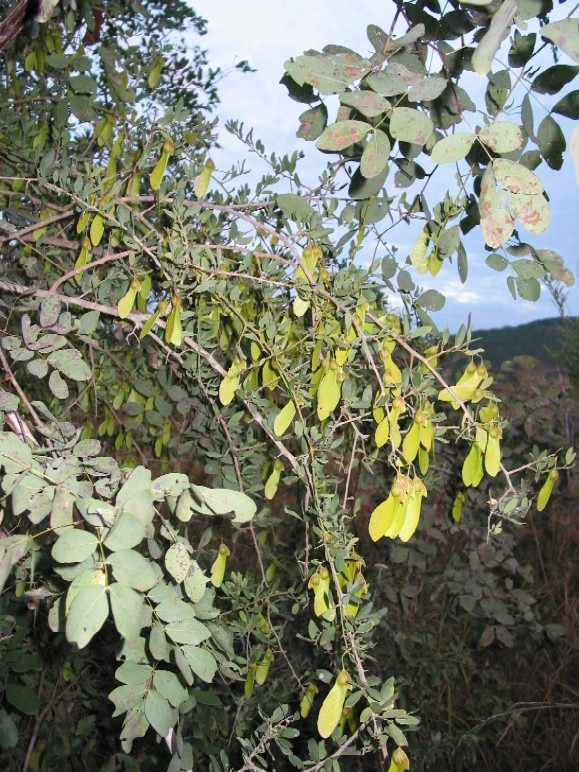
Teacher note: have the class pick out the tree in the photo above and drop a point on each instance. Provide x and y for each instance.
(196, 374)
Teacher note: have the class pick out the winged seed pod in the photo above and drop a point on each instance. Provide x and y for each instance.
(331, 710)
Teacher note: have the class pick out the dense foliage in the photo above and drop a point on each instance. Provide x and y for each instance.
(198, 376)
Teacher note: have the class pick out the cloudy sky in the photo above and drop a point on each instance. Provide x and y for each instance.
(266, 34)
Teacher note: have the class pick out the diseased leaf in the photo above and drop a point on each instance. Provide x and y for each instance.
(409, 125)
(502, 137)
(313, 122)
(177, 561)
(516, 178)
(70, 363)
(565, 35)
(343, 134)
(368, 103)
(532, 211)
(329, 74)
(375, 155)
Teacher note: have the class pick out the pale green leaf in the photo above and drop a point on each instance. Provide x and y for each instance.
(201, 662)
(452, 148)
(159, 713)
(74, 546)
(169, 687)
(330, 74)
(88, 613)
(516, 178)
(187, 631)
(222, 501)
(133, 569)
(127, 607)
(177, 561)
(367, 103)
(125, 533)
(70, 363)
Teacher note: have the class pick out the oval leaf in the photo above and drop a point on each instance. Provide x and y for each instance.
(409, 125)
(453, 148)
(502, 137)
(88, 613)
(342, 135)
(375, 155)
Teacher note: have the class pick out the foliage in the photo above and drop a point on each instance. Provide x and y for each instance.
(197, 372)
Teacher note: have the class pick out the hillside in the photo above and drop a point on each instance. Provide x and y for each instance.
(539, 339)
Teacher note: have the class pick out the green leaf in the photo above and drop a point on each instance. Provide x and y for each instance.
(15, 455)
(83, 84)
(74, 546)
(427, 89)
(127, 696)
(222, 501)
(127, 607)
(170, 688)
(136, 496)
(485, 53)
(529, 289)
(70, 363)
(88, 613)
(497, 262)
(568, 105)
(187, 631)
(565, 35)
(125, 533)
(133, 569)
(343, 134)
(452, 148)
(201, 662)
(313, 122)
(50, 310)
(410, 125)
(295, 207)
(366, 102)
(131, 672)
(551, 141)
(195, 583)
(389, 82)
(522, 48)
(159, 713)
(502, 137)
(431, 300)
(376, 154)
(23, 698)
(553, 79)
(8, 731)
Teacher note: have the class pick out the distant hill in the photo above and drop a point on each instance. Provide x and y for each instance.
(537, 339)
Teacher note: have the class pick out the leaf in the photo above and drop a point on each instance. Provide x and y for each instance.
(87, 614)
(294, 206)
(57, 385)
(532, 211)
(516, 178)
(195, 583)
(502, 137)
(452, 148)
(97, 228)
(313, 122)
(389, 82)
(177, 561)
(565, 35)
(366, 102)
(410, 125)
(125, 533)
(529, 289)
(328, 74)
(74, 546)
(376, 154)
(342, 134)
(497, 262)
(495, 221)
(127, 607)
(201, 662)
(553, 79)
(284, 418)
(70, 363)
(568, 105)
(427, 89)
(187, 631)
(551, 141)
(50, 310)
(431, 300)
(159, 713)
(23, 698)
(332, 706)
(133, 569)
(223, 501)
(169, 687)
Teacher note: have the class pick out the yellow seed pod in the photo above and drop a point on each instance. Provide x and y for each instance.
(284, 418)
(307, 700)
(219, 564)
(250, 680)
(126, 303)
(400, 761)
(411, 443)
(300, 306)
(332, 707)
(97, 228)
(262, 669)
(329, 393)
(472, 468)
(382, 517)
(382, 433)
(272, 482)
(547, 490)
(457, 505)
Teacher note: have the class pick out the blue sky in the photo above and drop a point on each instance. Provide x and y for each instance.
(268, 33)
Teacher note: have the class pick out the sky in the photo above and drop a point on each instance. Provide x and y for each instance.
(269, 33)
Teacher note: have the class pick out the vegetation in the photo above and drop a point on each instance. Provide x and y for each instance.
(229, 444)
